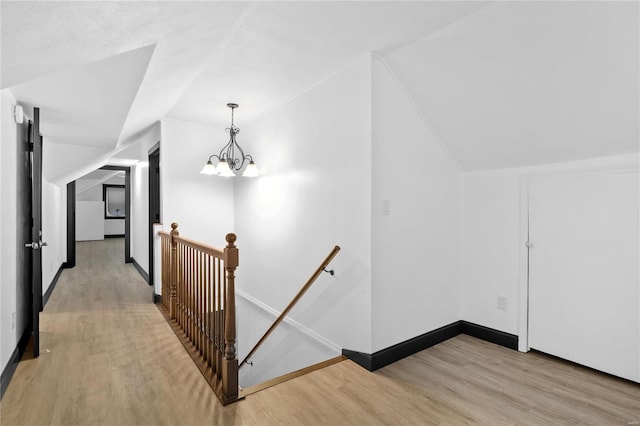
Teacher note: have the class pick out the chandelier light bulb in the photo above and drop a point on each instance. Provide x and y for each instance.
(251, 170)
(209, 169)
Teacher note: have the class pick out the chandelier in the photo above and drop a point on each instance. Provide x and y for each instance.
(231, 157)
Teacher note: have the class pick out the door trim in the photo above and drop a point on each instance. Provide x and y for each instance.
(153, 151)
(71, 225)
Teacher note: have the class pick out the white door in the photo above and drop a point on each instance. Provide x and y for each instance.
(584, 285)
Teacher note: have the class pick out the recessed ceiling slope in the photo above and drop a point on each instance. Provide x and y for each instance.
(87, 105)
(525, 83)
(279, 49)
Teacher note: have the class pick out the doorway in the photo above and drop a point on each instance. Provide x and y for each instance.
(127, 204)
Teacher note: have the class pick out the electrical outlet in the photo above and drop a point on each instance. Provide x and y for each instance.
(502, 303)
(13, 321)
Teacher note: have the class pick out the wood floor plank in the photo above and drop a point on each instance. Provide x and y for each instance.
(109, 358)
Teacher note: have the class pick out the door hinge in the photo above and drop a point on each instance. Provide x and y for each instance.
(529, 244)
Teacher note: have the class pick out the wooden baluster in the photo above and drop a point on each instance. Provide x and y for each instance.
(230, 360)
(166, 253)
(212, 310)
(193, 297)
(205, 304)
(180, 287)
(200, 280)
(189, 293)
(200, 301)
(174, 270)
(219, 349)
(194, 309)
(212, 305)
(190, 268)
(183, 288)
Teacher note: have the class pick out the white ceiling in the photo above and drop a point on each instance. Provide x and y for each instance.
(525, 83)
(104, 174)
(504, 84)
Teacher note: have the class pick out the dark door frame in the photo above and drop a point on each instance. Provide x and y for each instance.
(71, 225)
(36, 231)
(127, 206)
(71, 217)
(154, 201)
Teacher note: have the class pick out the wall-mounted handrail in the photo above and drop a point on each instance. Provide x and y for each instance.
(293, 302)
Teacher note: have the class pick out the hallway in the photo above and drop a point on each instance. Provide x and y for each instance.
(109, 357)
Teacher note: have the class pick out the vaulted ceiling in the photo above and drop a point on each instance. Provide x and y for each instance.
(503, 84)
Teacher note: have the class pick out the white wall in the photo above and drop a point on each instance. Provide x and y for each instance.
(113, 226)
(314, 193)
(89, 220)
(490, 256)
(416, 243)
(140, 193)
(9, 288)
(139, 216)
(4, 297)
(54, 228)
(92, 190)
(494, 233)
(201, 205)
(92, 193)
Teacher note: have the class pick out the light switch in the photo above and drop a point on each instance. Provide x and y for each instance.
(386, 207)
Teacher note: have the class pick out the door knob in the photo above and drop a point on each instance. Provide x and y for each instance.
(34, 246)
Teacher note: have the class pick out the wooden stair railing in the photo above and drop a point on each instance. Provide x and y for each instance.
(301, 292)
(198, 301)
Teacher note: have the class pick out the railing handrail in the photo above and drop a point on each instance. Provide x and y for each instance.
(198, 295)
(291, 304)
(213, 251)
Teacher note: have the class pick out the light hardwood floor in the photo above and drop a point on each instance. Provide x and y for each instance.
(113, 360)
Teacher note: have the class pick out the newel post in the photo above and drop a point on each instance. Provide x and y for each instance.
(173, 283)
(230, 360)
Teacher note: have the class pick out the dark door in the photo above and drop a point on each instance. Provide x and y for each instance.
(36, 231)
(24, 255)
(154, 203)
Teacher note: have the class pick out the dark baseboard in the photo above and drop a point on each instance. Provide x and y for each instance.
(67, 265)
(114, 236)
(12, 365)
(54, 282)
(157, 298)
(490, 335)
(362, 359)
(142, 272)
(401, 350)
